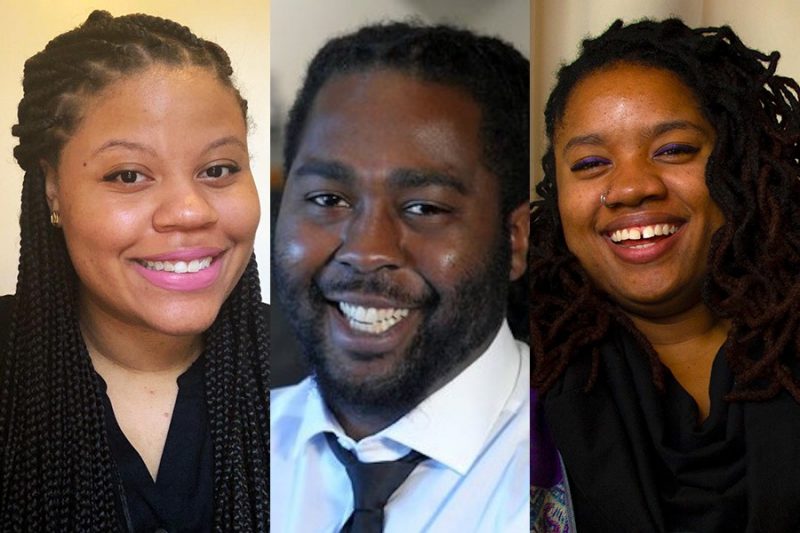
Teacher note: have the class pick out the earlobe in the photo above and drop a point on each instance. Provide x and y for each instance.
(50, 184)
(519, 233)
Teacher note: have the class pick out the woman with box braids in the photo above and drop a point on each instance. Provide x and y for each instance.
(730, 253)
(57, 469)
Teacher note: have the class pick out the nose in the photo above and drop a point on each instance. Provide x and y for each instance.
(634, 182)
(183, 206)
(371, 240)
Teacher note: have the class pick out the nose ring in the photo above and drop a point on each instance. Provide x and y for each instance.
(604, 198)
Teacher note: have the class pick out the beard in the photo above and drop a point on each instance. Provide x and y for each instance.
(456, 321)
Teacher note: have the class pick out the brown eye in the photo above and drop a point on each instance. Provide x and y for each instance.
(220, 171)
(125, 176)
(128, 176)
(328, 200)
(425, 209)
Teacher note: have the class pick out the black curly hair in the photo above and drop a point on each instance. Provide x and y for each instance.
(491, 71)
(56, 469)
(753, 175)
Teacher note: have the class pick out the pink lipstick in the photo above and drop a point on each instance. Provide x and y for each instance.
(183, 270)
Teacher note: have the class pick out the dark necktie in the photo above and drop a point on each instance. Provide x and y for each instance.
(373, 484)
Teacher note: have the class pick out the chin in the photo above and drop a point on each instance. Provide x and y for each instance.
(192, 324)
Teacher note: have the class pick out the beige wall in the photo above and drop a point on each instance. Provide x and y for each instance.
(558, 26)
(239, 26)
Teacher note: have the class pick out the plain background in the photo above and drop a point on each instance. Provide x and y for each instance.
(558, 26)
(239, 26)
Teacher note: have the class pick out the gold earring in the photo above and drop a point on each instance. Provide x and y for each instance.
(55, 218)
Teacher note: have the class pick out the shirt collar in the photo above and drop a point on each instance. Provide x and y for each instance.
(453, 424)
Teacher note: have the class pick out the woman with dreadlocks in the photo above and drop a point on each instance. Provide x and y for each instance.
(133, 380)
(665, 282)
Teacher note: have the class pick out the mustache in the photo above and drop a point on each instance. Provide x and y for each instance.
(377, 284)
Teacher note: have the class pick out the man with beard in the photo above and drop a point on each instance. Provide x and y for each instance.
(403, 222)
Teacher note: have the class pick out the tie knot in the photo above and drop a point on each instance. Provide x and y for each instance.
(373, 484)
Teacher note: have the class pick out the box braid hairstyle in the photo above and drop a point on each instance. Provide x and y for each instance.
(57, 472)
(488, 69)
(752, 175)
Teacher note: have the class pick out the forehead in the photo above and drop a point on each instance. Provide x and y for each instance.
(160, 103)
(385, 117)
(627, 94)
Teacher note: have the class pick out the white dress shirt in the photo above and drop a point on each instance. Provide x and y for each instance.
(475, 431)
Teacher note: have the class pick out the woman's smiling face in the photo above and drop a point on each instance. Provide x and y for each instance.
(157, 203)
(635, 135)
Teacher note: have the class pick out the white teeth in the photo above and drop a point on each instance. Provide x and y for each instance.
(370, 319)
(643, 232)
(179, 267)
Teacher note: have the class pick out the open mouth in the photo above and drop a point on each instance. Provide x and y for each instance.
(371, 319)
(178, 267)
(642, 236)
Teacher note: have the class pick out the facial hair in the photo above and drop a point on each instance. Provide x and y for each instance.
(456, 321)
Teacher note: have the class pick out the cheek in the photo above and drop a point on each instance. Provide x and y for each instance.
(445, 262)
(577, 210)
(239, 213)
(95, 247)
(303, 247)
(93, 232)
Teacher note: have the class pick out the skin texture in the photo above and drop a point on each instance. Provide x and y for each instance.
(179, 137)
(637, 134)
(388, 205)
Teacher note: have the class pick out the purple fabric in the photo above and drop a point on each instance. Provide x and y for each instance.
(545, 465)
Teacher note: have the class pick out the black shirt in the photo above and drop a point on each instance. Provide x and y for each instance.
(181, 498)
(638, 460)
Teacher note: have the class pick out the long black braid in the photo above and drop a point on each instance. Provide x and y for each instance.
(753, 175)
(56, 465)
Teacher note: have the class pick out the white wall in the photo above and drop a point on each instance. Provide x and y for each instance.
(560, 25)
(239, 26)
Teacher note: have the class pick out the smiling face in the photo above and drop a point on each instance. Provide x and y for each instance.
(636, 136)
(390, 252)
(157, 203)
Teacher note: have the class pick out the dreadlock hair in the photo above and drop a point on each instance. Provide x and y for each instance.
(488, 69)
(56, 469)
(752, 175)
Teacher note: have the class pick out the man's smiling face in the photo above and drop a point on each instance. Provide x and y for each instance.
(390, 251)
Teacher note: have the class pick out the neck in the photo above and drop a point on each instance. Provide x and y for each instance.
(115, 344)
(687, 344)
(697, 322)
(359, 421)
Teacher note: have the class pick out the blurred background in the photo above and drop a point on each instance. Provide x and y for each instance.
(299, 28)
(558, 27)
(240, 27)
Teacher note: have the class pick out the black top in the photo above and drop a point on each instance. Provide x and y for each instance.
(181, 498)
(638, 460)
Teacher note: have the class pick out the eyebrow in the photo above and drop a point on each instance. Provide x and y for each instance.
(664, 127)
(121, 143)
(225, 141)
(402, 178)
(139, 147)
(414, 179)
(332, 170)
(659, 129)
